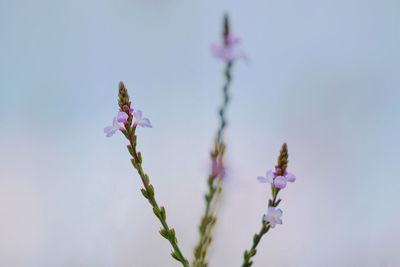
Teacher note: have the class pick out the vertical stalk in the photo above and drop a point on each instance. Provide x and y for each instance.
(148, 190)
(274, 202)
(213, 195)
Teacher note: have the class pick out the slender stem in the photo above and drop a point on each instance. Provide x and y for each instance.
(248, 254)
(208, 219)
(222, 110)
(148, 192)
(213, 212)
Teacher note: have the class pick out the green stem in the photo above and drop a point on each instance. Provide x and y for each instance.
(148, 192)
(208, 219)
(213, 212)
(248, 254)
(222, 110)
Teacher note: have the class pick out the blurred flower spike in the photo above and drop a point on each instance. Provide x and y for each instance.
(229, 49)
(217, 168)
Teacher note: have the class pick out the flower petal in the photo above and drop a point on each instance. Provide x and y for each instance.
(138, 115)
(145, 123)
(109, 131)
(262, 179)
(278, 213)
(233, 40)
(122, 117)
(115, 123)
(270, 174)
(290, 177)
(280, 182)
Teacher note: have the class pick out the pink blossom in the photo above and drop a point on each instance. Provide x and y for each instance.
(217, 168)
(110, 130)
(278, 181)
(122, 117)
(229, 50)
(140, 121)
(273, 216)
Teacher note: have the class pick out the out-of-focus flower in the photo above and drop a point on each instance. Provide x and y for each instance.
(229, 50)
(278, 181)
(110, 130)
(273, 216)
(122, 117)
(139, 120)
(217, 168)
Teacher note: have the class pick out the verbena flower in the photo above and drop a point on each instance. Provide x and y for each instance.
(110, 130)
(278, 181)
(140, 121)
(229, 50)
(273, 216)
(217, 168)
(122, 117)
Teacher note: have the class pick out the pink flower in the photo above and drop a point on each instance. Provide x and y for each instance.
(110, 130)
(122, 117)
(217, 168)
(273, 216)
(139, 120)
(278, 181)
(229, 50)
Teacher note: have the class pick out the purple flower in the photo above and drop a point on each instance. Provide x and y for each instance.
(273, 216)
(122, 117)
(278, 181)
(110, 130)
(139, 120)
(229, 50)
(217, 168)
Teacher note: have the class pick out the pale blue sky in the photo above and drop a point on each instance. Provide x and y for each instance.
(322, 76)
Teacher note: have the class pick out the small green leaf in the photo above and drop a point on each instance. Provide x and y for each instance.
(173, 254)
(163, 213)
(144, 192)
(164, 233)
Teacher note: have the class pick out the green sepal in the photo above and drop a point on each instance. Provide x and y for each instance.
(173, 254)
(144, 192)
(164, 233)
(163, 213)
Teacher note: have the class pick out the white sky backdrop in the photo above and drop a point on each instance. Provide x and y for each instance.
(323, 76)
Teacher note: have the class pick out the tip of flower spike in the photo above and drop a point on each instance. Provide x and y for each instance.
(226, 27)
(123, 97)
(121, 85)
(282, 160)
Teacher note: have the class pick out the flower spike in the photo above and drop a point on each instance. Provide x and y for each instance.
(278, 180)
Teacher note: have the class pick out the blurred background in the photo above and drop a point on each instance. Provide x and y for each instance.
(323, 76)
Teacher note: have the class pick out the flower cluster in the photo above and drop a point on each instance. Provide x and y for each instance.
(122, 117)
(276, 180)
(229, 50)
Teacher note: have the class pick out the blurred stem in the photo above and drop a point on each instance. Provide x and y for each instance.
(207, 241)
(226, 99)
(214, 193)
